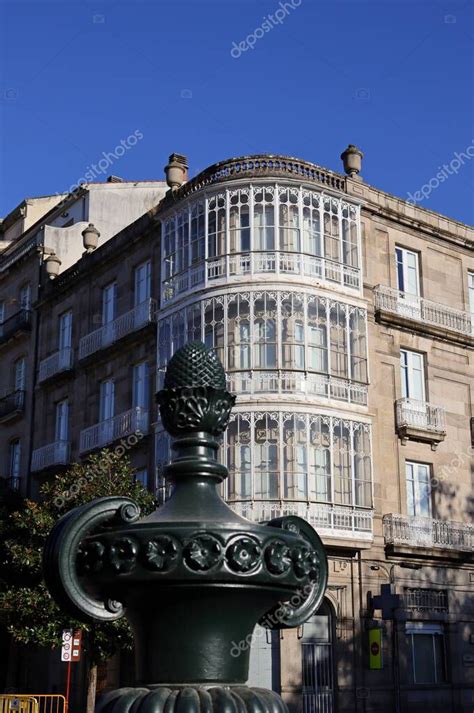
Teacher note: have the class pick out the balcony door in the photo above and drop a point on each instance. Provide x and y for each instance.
(25, 297)
(141, 395)
(142, 283)
(412, 367)
(107, 411)
(418, 476)
(318, 662)
(62, 421)
(470, 277)
(109, 308)
(408, 282)
(65, 331)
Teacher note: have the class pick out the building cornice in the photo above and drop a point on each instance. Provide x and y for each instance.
(256, 167)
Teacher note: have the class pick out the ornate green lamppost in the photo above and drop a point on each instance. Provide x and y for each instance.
(193, 578)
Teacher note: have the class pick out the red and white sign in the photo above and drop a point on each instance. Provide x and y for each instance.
(71, 648)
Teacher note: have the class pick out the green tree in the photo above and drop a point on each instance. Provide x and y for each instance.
(27, 610)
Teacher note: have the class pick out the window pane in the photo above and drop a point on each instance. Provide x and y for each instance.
(423, 658)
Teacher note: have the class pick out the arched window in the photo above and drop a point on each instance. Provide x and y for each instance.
(216, 227)
(214, 326)
(265, 331)
(289, 220)
(342, 462)
(266, 460)
(239, 458)
(331, 229)
(238, 332)
(317, 334)
(338, 335)
(320, 459)
(311, 225)
(292, 321)
(295, 457)
(264, 219)
(239, 221)
(197, 232)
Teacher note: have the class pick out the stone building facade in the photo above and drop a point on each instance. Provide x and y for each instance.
(344, 318)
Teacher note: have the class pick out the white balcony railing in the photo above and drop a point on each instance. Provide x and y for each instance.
(294, 382)
(418, 309)
(56, 453)
(420, 416)
(330, 520)
(136, 318)
(56, 363)
(125, 424)
(260, 263)
(427, 532)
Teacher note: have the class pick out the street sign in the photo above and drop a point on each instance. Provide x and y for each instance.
(71, 648)
(375, 649)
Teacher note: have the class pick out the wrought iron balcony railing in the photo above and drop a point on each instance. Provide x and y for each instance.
(12, 405)
(260, 263)
(427, 532)
(330, 520)
(56, 453)
(56, 363)
(418, 309)
(17, 323)
(136, 318)
(135, 421)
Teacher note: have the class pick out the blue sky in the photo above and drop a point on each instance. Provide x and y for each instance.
(394, 77)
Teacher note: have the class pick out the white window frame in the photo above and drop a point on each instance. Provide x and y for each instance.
(470, 284)
(414, 484)
(14, 458)
(65, 330)
(140, 385)
(408, 370)
(24, 296)
(107, 400)
(404, 253)
(62, 421)
(109, 303)
(19, 375)
(142, 277)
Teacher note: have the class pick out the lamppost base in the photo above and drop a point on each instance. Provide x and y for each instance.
(191, 699)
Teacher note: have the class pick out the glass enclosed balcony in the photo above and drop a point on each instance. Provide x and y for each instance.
(277, 342)
(260, 230)
(316, 466)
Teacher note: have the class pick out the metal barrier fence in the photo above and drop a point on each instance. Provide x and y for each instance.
(25, 704)
(33, 703)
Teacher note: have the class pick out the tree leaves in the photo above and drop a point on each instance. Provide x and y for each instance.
(27, 610)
